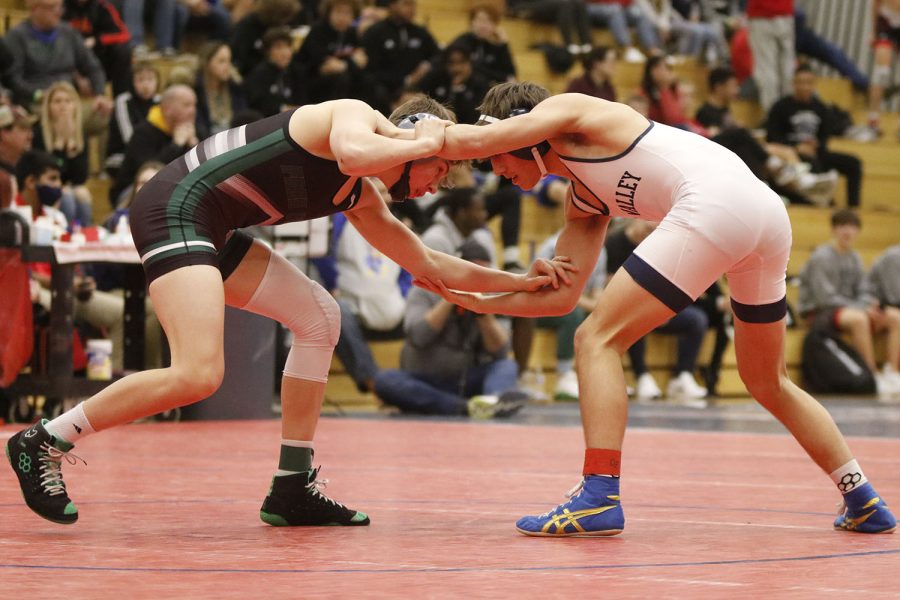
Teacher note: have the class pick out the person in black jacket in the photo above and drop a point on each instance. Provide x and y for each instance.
(276, 83)
(803, 121)
(490, 51)
(167, 134)
(246, 40)
(331, 54)
(399, 51)
(454, 82)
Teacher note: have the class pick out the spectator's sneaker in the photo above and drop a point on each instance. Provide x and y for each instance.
(863, 511)
(819, 187)
(505, 405)
(633, 55)
(646, 388)
(297, 500)
(567, 386)
(887, 386)
(684, 390)
(593, 510)
(863, 133)
(36, 456)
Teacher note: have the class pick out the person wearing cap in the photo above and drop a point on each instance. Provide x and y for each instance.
(16, 135)
(454, 362)
(714, 217)
(303, 164)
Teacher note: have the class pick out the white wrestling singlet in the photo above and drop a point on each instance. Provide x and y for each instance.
(715, 217)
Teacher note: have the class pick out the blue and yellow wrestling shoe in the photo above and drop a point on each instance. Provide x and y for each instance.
(864, 511)
(593, 510)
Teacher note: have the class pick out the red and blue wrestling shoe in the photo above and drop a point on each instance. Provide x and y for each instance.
(864, 511)
(594, 509)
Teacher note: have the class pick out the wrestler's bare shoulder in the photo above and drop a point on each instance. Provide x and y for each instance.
(599, 128)
(310, 125)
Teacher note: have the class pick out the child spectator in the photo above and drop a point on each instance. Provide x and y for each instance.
(276, 83)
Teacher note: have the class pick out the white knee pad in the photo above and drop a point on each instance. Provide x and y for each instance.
(303, 306)
(881, 75)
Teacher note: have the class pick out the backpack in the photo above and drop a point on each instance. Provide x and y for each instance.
(831, 366)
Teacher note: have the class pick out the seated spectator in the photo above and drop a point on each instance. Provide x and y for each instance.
(453, 82)
(453, 361)
(565, 326)
(884, 283)
(331, 54)
(246, 40)
(167, 133)
(835, 296)
(45, 51)
(105, 33)
(399, 52)
(40, 187)
(275, 84)
(618, 16)
(16, 136)
(491, 57)
(778, 165)
(569, 15)
(220, 93)
(689, 326)
(803, 121)
(690, 24)
(661, 88)
(461, 215)
(131, 109)
(599, 68)
(371, 292)
(60, 133)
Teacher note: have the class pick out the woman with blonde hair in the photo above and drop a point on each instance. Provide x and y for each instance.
(60, 133)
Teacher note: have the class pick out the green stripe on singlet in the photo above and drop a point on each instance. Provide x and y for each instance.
(196, 184)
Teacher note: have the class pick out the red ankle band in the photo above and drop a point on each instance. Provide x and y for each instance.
(600, 461)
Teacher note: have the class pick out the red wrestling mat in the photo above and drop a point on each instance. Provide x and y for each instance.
(170, 511)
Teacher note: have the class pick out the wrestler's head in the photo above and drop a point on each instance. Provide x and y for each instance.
(426, 174)
(523, 166)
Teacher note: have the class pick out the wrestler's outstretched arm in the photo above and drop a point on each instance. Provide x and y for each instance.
(577, 251)
(393, 239)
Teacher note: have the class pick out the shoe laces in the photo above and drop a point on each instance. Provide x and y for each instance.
(51, 459)
(569, 494)
(316, 486)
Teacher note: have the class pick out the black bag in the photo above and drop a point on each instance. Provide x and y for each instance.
(831, 366)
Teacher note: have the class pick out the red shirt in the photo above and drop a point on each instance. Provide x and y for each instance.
(767, 9)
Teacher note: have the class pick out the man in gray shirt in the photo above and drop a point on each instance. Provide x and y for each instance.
(454, 361)
(835, 295)
(45, 51)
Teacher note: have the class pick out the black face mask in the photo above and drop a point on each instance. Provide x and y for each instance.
(48, 194)
(400, 190)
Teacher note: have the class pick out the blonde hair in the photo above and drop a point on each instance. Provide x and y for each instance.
(72, 142)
